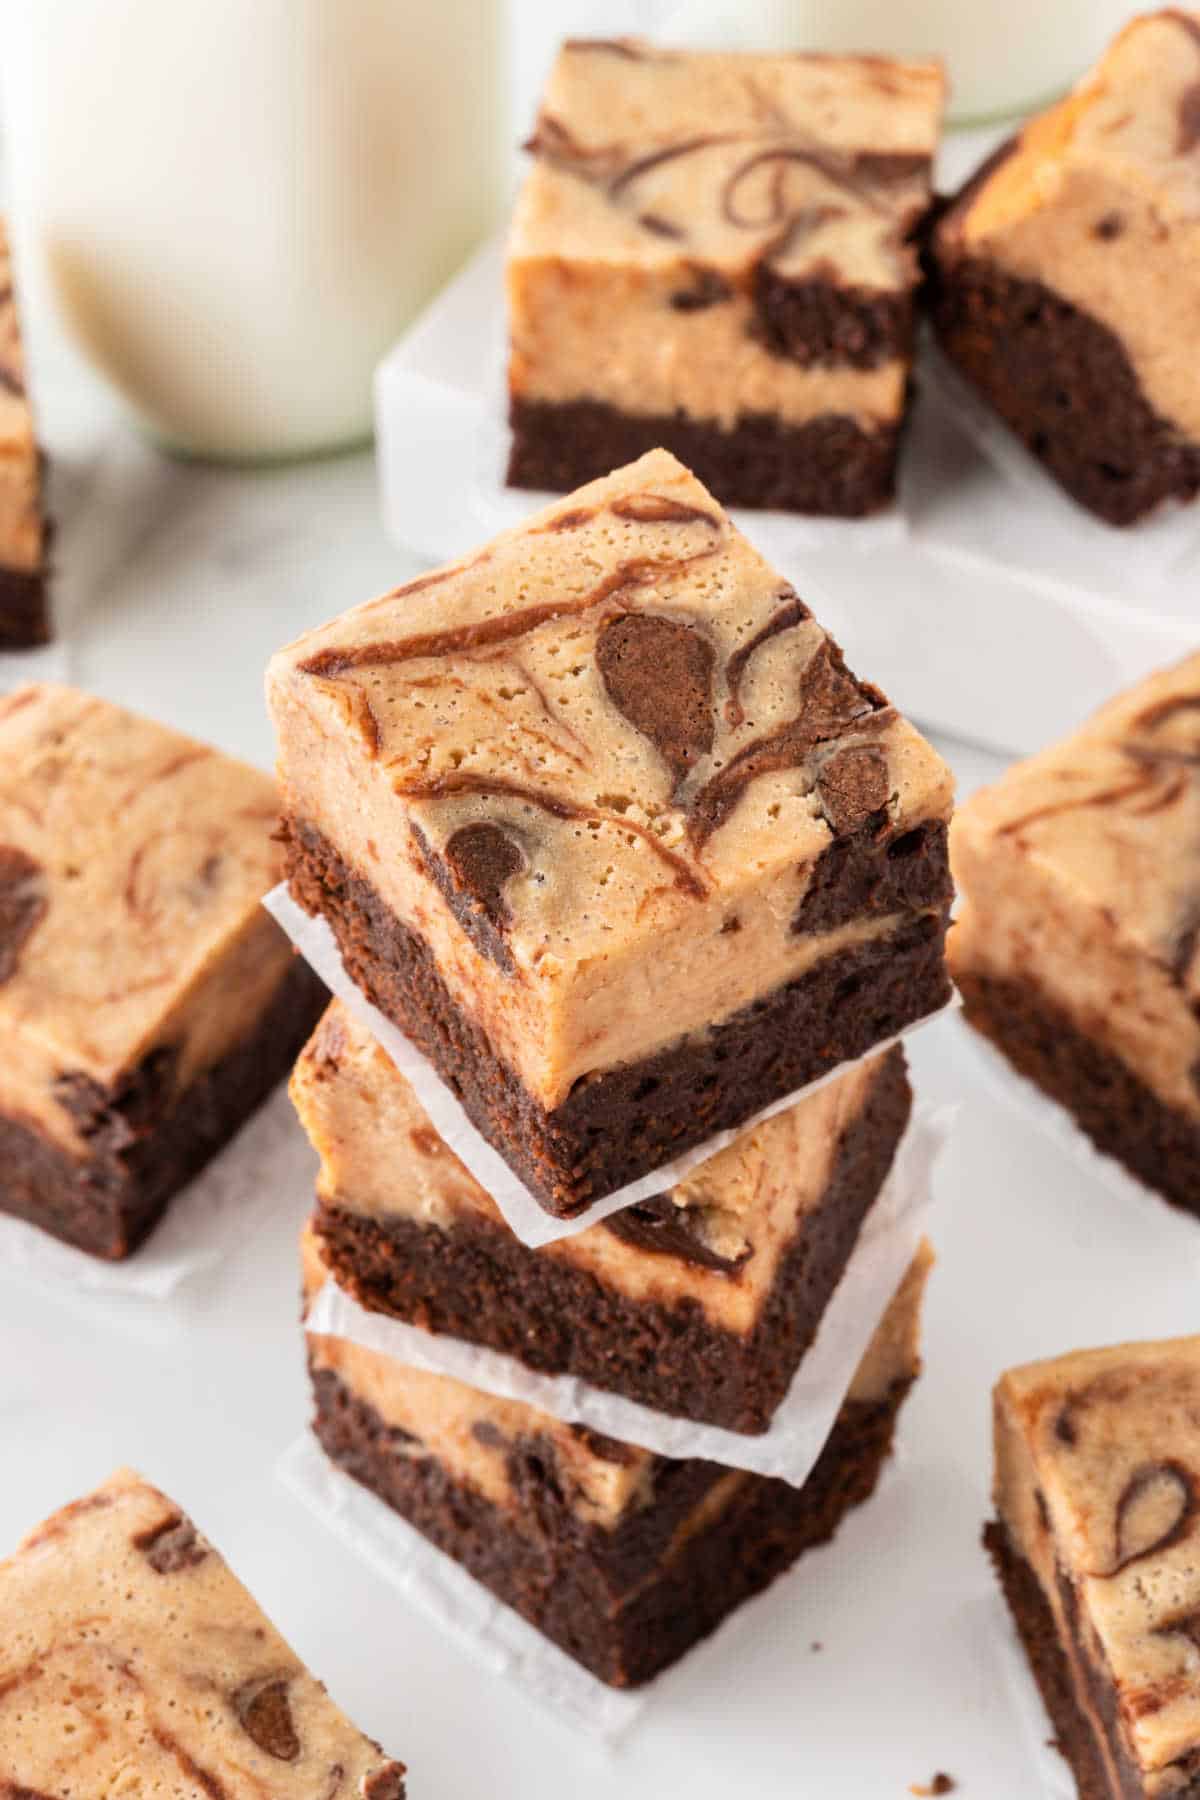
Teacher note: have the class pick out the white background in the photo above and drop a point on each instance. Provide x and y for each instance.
(177, 583)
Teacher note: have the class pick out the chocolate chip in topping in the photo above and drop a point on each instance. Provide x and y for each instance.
(707, 289)
(1109, 227)
(658, 673)
(489, 1435)
(1064, 1427)
(385, 1784)
(853, 784)
(264, 1715)
(1155, 1510)
(23, 905)
(171, 1546)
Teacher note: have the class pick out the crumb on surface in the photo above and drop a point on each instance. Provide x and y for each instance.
(940, 1784)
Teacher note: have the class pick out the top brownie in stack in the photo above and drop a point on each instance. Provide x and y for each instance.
(24, 615)
(147, 1002)
(1067, 276)
(713, 253)
(603, 821)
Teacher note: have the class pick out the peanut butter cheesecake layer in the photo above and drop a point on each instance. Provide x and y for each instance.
(602, 820)
(700, 1302)
(24, 610)
(1078, 947)
(147, 1003)
(1095, 1541)
(713, 253)
(622, 1558)
(133, 1662)
(1067, 276)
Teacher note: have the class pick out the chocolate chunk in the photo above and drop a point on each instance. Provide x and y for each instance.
(1155, 1510)
(707, 289)
(489, 1435)
(1064, 1427)
(1109, 227)
(854, 787)
(23, 905)
(171, 1546)
(658, 674)
(658, 1225)
(264, 1715)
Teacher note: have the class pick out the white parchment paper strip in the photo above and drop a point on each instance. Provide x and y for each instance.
(522, 1213)
(483, 1626)
(267, 1162)
(803, 1422)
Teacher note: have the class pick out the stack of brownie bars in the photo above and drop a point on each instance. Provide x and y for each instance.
(602, 821)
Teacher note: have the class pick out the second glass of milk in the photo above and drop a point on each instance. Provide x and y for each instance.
(238, 204)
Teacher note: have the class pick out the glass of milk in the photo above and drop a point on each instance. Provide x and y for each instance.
(238, 204)
(1003, 56)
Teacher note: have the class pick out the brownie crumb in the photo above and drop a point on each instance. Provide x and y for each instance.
(816, 1645)
(940, 1784)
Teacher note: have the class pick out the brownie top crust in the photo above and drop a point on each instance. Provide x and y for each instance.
(714, 1240)
(128, 1649)
(604, 1481)
(1098, 199)
(818, 164)
(596, 766)
(1098, 1483)
(132, 864)
(22, 530)
(1095, 845)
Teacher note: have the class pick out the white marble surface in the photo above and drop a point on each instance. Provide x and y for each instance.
(175, 584)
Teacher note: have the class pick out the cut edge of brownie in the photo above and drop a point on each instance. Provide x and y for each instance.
(24, 609)
(628, 1602)
(619, 1124)
(476, 1282)
(830, 465)
(1058, 377)
(1123, 1117)
(143, 1147)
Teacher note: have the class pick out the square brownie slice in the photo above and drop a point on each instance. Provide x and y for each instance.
(24, 609)
(1095, 1542)
(147, 1002)
(133, 1662)
(601, 819)
(1077, 950)
(700, 1302)
(622, 1558)
(713, 254)
(1066, 277)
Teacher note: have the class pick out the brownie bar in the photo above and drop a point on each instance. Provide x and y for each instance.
(24, 530)
(831, 465)
(605, 1597)
(144, 1141)
(1064, 277)
(615, 1126)
(1097, 1491)
(1123, 1117)
(135, 1663)
(675, 1348)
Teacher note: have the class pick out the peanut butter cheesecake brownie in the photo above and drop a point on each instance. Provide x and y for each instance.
(713, 253)
(24, 611)
(133, 1662)
(1095, 1542)
(1078, 947)
(1067, 276)
(147, 1002)
(700, 1302)
(603, 821)
(624, 1559)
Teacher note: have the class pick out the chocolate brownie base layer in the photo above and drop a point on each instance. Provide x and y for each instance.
(143, 1147)
(478, 1283)
(1074, 1735)
(628, 1602)
(24, 609)
(1065, 385)
(1122, 1116)
(622, 1123)
(830, 465)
